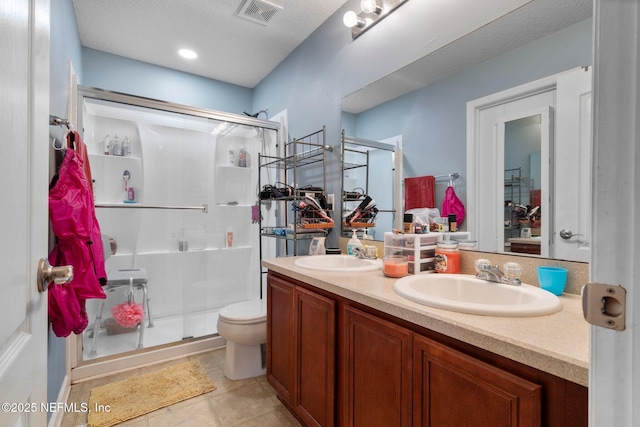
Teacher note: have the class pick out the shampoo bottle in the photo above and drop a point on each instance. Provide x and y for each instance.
(116, 146)
(126, 146)
(353, 243)
(107, 139)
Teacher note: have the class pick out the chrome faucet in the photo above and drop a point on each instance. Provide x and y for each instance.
(363, 253)
(492, 273)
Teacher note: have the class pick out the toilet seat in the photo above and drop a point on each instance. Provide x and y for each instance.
(244, 313)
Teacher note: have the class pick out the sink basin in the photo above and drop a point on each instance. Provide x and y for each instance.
(466, 294)
(337, 263)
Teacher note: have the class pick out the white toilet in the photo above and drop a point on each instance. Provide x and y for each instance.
(244, 326)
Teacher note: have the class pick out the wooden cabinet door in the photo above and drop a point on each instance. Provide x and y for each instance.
(315, 364)
(453, 389)
(376, 366)
(280, 339)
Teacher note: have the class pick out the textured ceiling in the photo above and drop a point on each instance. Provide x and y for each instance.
(230, 48)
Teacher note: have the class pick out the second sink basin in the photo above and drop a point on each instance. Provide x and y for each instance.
(467, 294)
(337, 263)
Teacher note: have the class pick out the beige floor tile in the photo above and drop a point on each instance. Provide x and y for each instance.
(195, 415)
(275, 418)
(246, 403)
(136, 422)
(69, 420)
(290, 420)
(242, 404)
(224, 384)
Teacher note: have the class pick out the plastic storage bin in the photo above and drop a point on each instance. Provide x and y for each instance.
(420, 249)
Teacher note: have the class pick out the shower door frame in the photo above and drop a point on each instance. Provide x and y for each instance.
(78, 369)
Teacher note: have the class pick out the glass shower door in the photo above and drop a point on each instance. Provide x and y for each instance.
(189, 233)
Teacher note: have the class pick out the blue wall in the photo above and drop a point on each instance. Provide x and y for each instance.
(115, 73)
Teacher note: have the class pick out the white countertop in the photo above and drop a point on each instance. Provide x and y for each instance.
(556, 343)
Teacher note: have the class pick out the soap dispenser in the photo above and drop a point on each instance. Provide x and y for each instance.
(353, 243)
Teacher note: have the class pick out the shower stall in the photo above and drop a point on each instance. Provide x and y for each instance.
(175, 192)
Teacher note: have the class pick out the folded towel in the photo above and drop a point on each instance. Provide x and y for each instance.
(419, 192)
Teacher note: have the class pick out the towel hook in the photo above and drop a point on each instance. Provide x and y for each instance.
(56, 144)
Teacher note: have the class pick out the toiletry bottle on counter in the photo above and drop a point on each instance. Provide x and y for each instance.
(317, 246)
(453, 223)
(408, 226)
(353, 243)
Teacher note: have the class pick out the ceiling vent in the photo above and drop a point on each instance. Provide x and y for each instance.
(259, 11)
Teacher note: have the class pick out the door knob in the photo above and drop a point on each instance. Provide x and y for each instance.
(567, 234)
(47, 273)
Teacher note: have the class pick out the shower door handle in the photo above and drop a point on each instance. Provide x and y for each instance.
(57, 275)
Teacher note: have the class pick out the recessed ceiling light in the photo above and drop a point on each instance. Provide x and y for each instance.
(187, 53)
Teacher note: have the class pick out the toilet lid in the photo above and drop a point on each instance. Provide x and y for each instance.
(253, 311)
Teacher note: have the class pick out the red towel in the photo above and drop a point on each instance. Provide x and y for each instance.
(419, 192)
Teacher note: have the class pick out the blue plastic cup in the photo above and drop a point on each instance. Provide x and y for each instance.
(552, 279)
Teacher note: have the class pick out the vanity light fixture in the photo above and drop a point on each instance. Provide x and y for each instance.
(372, 12)
(187, 53)
(351, 19)
(370, 6)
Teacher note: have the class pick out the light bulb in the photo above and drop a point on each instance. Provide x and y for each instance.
(370, 6)
(187, 53)
(350, 19)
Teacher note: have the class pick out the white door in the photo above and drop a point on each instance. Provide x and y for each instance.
(572, 157)
(614, 374)
(485, 156)
(544, 117)
(24, 104)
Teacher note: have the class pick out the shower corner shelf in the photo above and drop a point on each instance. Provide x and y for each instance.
(298, 154)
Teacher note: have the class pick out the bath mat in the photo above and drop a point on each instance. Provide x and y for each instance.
(123, 400)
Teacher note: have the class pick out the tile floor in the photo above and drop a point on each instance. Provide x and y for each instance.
(246, 403)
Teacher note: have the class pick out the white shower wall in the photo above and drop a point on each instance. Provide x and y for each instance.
(177, 161)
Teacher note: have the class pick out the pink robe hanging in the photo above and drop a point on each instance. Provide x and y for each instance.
(79, 243)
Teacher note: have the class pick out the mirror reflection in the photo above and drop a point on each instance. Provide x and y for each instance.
(370, 202)
(522, 188)
(434, 124)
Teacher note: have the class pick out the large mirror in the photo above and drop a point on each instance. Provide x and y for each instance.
(426, 103)
(371, 183)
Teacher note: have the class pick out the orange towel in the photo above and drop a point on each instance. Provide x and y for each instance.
(419, 192)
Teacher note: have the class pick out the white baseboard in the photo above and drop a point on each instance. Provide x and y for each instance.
(63, 395)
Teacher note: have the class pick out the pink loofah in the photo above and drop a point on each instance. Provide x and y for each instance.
(128, 315)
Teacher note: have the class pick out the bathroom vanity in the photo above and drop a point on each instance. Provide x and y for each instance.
(344, 349)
